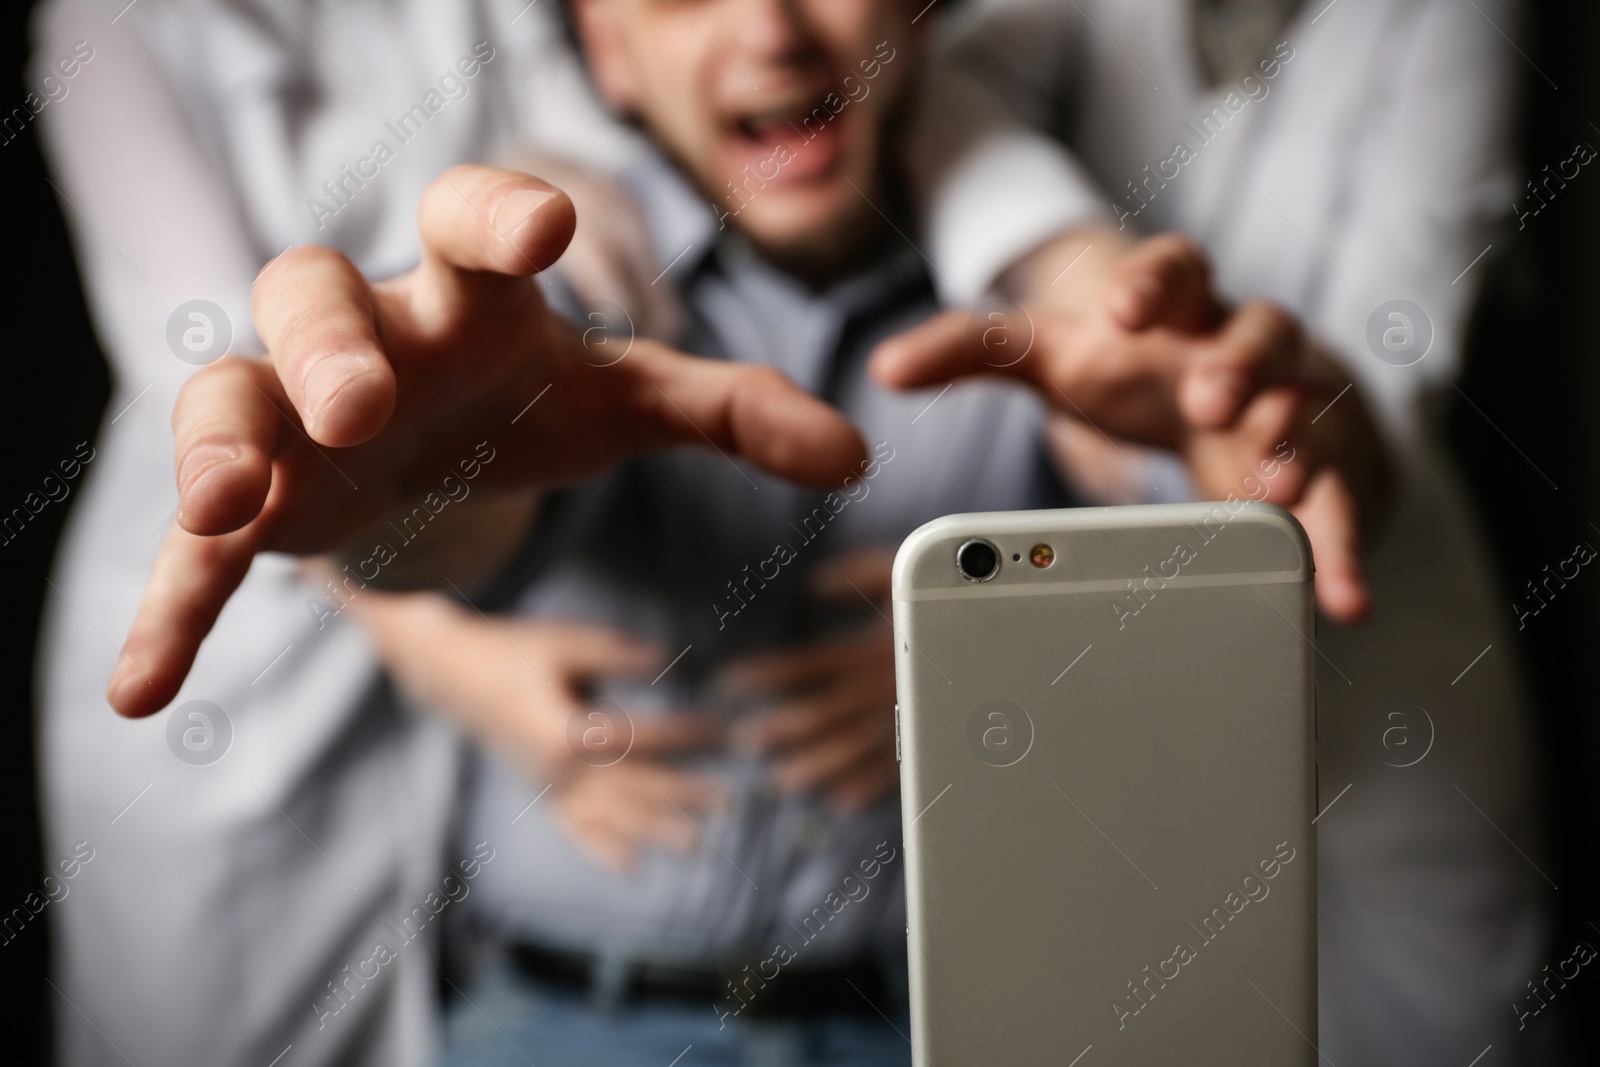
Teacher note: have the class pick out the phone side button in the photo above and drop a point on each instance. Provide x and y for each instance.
(897, 733)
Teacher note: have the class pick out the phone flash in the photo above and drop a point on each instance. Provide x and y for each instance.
(1042, 556)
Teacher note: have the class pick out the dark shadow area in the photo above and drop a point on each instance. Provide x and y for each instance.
(1527, 442)
(55, 387)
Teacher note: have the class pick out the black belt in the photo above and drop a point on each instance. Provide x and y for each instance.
(857, 987)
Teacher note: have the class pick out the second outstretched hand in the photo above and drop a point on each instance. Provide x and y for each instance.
(370, 392)
(1132, 342)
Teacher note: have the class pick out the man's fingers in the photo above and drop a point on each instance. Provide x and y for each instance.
(485, 231)
(225, 427)
(864, 784)
(658, 735)
(314, 312)
(1260, 345)
(1265, 452)
(596, 836)
(1075, 364)
(622, 807)
(585, 650)
(787, 669)
(1328, 513)
(797, 723)
(685, 790)
(646, 803)
(815, 765)
(1270, 455)
(1165, 279)
(743, 410)
(957, 344)
(189, 584)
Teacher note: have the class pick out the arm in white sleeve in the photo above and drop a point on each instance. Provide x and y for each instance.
(990, 182)
(1433, 184)
(152, 223)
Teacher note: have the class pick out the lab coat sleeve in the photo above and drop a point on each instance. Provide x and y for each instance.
(989, 183)
(1429, 194)
(151, 221)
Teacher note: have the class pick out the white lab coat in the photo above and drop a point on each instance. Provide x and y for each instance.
(223, 899)
(1374, 165)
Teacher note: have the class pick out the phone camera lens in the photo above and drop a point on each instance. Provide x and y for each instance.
(978, 561)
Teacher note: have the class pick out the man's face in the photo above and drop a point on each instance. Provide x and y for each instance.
(776, 108)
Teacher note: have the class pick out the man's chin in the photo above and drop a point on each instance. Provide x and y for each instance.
(791, 229)
(821, 230)
(826, 252)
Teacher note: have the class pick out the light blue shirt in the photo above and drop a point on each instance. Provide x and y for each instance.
(710, 557)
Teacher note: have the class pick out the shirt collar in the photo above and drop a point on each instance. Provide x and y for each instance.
(682, 227)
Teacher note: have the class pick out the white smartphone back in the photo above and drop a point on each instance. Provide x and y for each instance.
(1108, 776)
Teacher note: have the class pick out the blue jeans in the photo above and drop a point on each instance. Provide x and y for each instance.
(507, 1018)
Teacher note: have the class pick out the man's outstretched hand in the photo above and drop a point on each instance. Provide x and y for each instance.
(1133, 343)
(371, 393)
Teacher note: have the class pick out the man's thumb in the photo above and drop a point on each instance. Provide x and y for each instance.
(995, 338)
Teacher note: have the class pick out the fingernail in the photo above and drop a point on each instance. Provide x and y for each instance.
(888, 363)
(330, 376)
(517, 208)
(114, 687)
(200, 461)
(119, 691)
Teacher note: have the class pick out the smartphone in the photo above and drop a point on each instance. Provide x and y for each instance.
(1107, 726)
